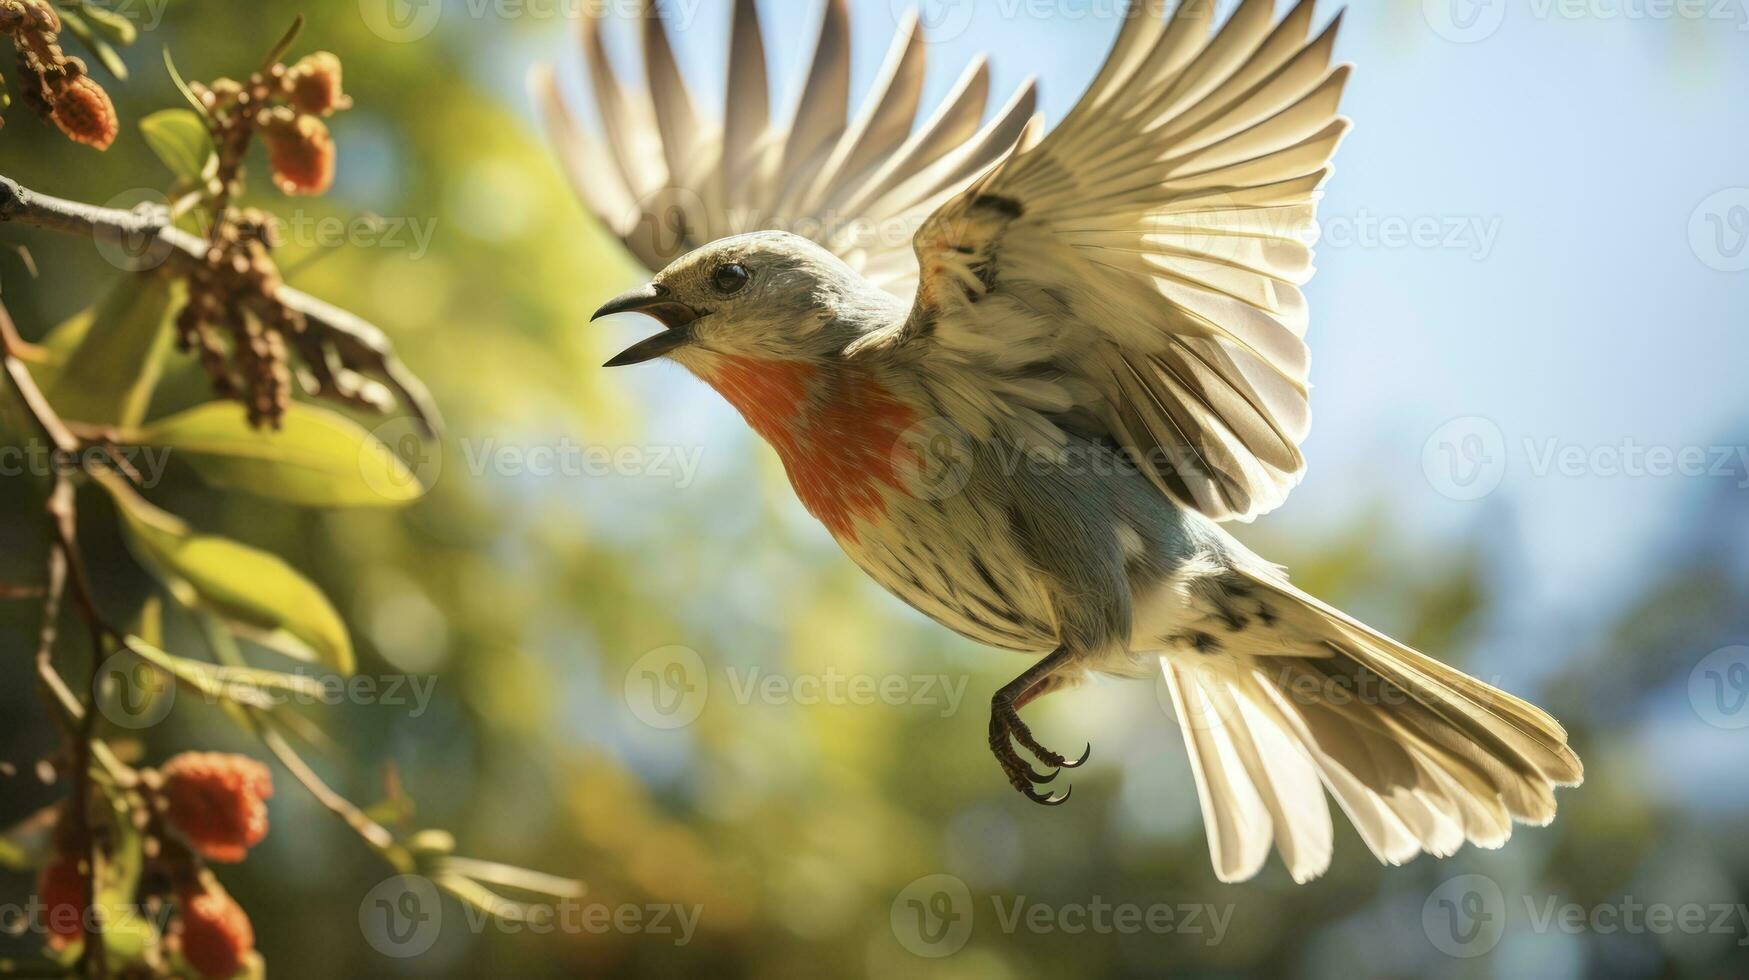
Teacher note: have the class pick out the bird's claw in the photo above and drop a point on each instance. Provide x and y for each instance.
(1054, 799)
(1006, 729)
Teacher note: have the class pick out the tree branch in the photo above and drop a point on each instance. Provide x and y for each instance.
(337, 344)
(65, 565)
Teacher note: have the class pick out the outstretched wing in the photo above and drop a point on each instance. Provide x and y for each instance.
(669, 180)
(1137, 272)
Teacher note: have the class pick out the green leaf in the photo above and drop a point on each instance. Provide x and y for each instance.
(317, 459)
(109, 376)
(179, 137)
(114, 26)
(510, 876)
(257, 594)
(12, 857)
(249, 686)
(76, 25)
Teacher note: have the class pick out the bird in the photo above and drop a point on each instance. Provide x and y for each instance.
(1025, 376)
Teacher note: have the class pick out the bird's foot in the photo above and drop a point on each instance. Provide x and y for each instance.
(1006, 729)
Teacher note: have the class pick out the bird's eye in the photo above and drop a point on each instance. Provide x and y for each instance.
(731, 278)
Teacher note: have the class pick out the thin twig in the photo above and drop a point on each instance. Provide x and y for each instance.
(361, 347)
(66, 566)
(224, 650)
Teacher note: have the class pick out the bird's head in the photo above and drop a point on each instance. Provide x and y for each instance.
(766, 295)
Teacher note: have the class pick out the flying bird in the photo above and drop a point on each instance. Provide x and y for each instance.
(1024, 377)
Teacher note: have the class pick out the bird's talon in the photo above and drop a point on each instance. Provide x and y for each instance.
(1053, 799)
(1006, 728)
(1085, 754)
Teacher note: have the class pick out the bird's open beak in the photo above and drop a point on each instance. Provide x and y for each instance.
(654, 301)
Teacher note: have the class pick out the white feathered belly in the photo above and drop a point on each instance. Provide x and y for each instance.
(946, 562)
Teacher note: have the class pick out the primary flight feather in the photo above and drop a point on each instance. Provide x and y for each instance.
(1028, 414)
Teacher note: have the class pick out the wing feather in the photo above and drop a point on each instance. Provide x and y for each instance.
(666, 179)
(1149, 253)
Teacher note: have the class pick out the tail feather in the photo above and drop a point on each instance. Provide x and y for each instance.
(1233, 814)
(1300, 698)
(1287, 775)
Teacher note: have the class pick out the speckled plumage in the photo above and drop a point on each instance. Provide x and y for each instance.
(1030, 423)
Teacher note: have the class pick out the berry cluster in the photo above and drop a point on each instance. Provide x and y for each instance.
(235, 323)
(232, 318)
(55, 85)
(198, 807)
(286, 106)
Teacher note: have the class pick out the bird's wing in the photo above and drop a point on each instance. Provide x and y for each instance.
(1137, 271)
(667, 179)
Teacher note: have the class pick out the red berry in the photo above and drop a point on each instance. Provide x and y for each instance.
(216, 936)
(216, 801)
(313, 85)
(300, 151)
(61, 886)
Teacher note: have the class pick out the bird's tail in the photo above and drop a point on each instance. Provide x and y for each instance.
(1302, 698)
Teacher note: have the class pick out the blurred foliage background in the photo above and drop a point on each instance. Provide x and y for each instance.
(793, 828)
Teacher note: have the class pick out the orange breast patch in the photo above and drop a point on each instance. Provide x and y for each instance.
(835, 428)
